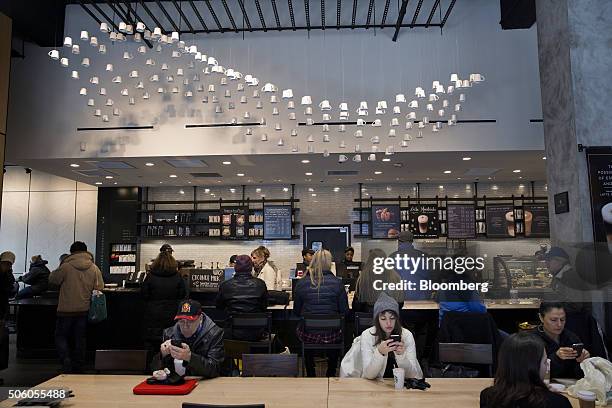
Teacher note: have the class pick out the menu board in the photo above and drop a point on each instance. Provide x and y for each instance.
(461, 221)
(599, 162)
(535, 219)
(234, 223)
(205, 278)
(500, 221)
(424, 221)
(385, 221)
(277, 222)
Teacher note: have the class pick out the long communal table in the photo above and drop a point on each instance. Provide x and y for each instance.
(109, 391)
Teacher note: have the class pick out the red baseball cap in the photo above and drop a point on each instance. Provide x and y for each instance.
(189, 309)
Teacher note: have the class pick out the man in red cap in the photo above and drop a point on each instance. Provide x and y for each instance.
(201, 343)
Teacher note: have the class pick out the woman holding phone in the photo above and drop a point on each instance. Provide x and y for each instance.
(387, 344)
(564, 348)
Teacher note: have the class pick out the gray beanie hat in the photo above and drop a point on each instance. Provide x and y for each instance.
(383, 303)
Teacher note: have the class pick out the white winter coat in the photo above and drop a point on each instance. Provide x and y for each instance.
(271, 276)
(374, 363)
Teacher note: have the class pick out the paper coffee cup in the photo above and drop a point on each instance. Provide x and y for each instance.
(510, 223)
(398, 378)
(528, 221)
(587, 399)
(606, 214)
(422, 220)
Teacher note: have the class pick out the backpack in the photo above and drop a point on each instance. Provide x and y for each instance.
(352, 363)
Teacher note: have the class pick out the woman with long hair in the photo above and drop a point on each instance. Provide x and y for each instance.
(320, 293)
(265, 268)
(519, 380)
(365, 295)
(162, 290)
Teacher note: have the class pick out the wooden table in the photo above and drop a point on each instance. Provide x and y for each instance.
(110, 391)
(501, 304)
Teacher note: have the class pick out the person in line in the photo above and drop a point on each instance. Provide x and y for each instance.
(162, 290)
(7, 282)
(76, 277)
(244, 293)
(232, 261)
(365, 295)
(405, 246)
(467, 301)
(265, 268)
(321, 293)
(380, 353)
(564, 360)
(201, 351)
(519, 380)
(37, 278)
(62, 257)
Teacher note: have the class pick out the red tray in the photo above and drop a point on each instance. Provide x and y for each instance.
(147, 389)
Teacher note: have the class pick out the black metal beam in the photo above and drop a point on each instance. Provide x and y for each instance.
(416, 13)
(117, 10)
(148, 11)
(183, 16)
(229, 15)
(385, 12)
(400, 19)
(199, 16)
(323, 14)
(278, 24)
(354, 13)
(370, 7)
(163, 9)
(307, 11)
(291, 15)
(431, 14)
(338, 13)
(301, 28)
(110, 20)
(91, 14)
(261, 17)
(244, 14)
(448, 11)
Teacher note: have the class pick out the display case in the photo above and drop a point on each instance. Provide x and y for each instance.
(524, 272)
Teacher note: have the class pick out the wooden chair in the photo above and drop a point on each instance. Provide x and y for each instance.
(313, 322)
(194, 405)
(467, 353)
(121, 361)
(269, 365)
(362, 322)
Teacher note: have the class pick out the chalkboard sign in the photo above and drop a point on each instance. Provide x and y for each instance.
(536, 220)
(206, 278)
(461, 220)
(424, 221)
(500, 221)
(277, 222)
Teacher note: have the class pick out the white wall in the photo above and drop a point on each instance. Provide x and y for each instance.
(335, 65)
(60, 212)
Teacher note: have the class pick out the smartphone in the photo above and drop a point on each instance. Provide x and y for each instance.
(578, 347)
(396, 338)
(176, 343)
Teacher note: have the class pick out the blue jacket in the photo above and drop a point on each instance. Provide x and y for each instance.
(329, 298)
(471, 304)
(407, 275)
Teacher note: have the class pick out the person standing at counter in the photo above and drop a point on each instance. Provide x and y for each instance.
(162, 290)
(76, 277)
(405, 247)
(244, 293)
(265, 269)
(7, 280)
(232, 261)
(37, 277)
(201, 352)
(566, 284)
(321, 293)
(365, 295)
(564, 359)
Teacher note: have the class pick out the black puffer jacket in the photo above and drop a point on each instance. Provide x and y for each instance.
(37, 277)
(243, 294)
(162, 291)
(329, 298)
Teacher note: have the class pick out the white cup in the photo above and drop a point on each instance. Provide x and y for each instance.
(140, 27)
(433, 97)
(380, 111)
(102, 49)
(164, 67)
(430, 107)
(440, 89)
(342, 128)
(94, 80)
(358, 133)
(325, 128)
(409, 125)
(83, 91)
(342, 158)
(64, 62)
(292, 116)
(212, 61)
(425, 119)
(372, 156)
(259, 105)
(391, 133)
(462, 97)
(361, 122)
(435, 84)
(377, 123)
(454, 77)
(363, 105)
(421, 125)
(104, 27)
(294, 132)
(397, 110)
(105, 118)
(243, 99)
(68, 42)
(450, 90)
(91, 102)
(124, 92)
(411, 115)
(117, 79)
(85, 62)
(109, 67)
(325, 105)
(466, 83)
(308, 110)
(116, 112)
(375, 140)
(273, 99)
(326, 138)
(268, 87)
(76, 49)
(477, 78)
(228, 93)
(344, 115)
(132, 101)
(113, 36)
(154, 78)
(400, 98)
(157, 33)
(343, 106)
(275, 111)
(413, 104)
(122, 27)
(362, 112)
(54, 54)
(146, 95)
(193, 49)
(440, 112)
(394, 122)
(381, 105)
(287, 93)
(309, 122)
(74, 74)
(357, 158)
(109, 102)
(290, 105)
(419, 92)
(98, 112)
(326, 116)
(306, 100)
(457, 107)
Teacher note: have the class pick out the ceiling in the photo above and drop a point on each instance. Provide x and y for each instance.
(289, 169)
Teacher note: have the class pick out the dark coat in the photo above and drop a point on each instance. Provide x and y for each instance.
(560, 368)
(553, 400)
(7, 280)
(37, 277)
(206, 346)
(329, 298)
(162, 291)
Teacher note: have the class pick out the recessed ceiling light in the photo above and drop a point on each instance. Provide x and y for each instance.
(108, 177)
(447, 172)
(314, 194)
(258, 190)
(74, 165)
(310, 189)
(227, 162)
(467, 158)
(516, 171)
(173, 176)
(521, 186)
(520, 177)
(98, 183)
(218, 181)
(181, 191)
(495, 188)
(458, 178)
(378, 172)
(308, 173)
(189, 182)
(279, 180)
(386, 159)
(232, 190)
(305, 161)
(149, 164)
(369, 179)
(336, 189)
(285, 189)
(240, 174)
(115, 183)
(441, 186)
(207, 190)
(543, 157)
(161, 182)
(428, 178)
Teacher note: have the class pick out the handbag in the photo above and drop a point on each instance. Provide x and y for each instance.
(97, 306)
(351, 365)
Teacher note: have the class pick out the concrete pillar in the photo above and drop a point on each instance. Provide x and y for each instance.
(5, 68)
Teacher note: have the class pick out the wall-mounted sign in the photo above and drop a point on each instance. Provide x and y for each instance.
(205, 278)
(277, 222)
(234, 223)
(424, 221)
(535, 219)
(500, 221)
(461, 221)
(599, 162)
(385, 221)
(561, 203)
